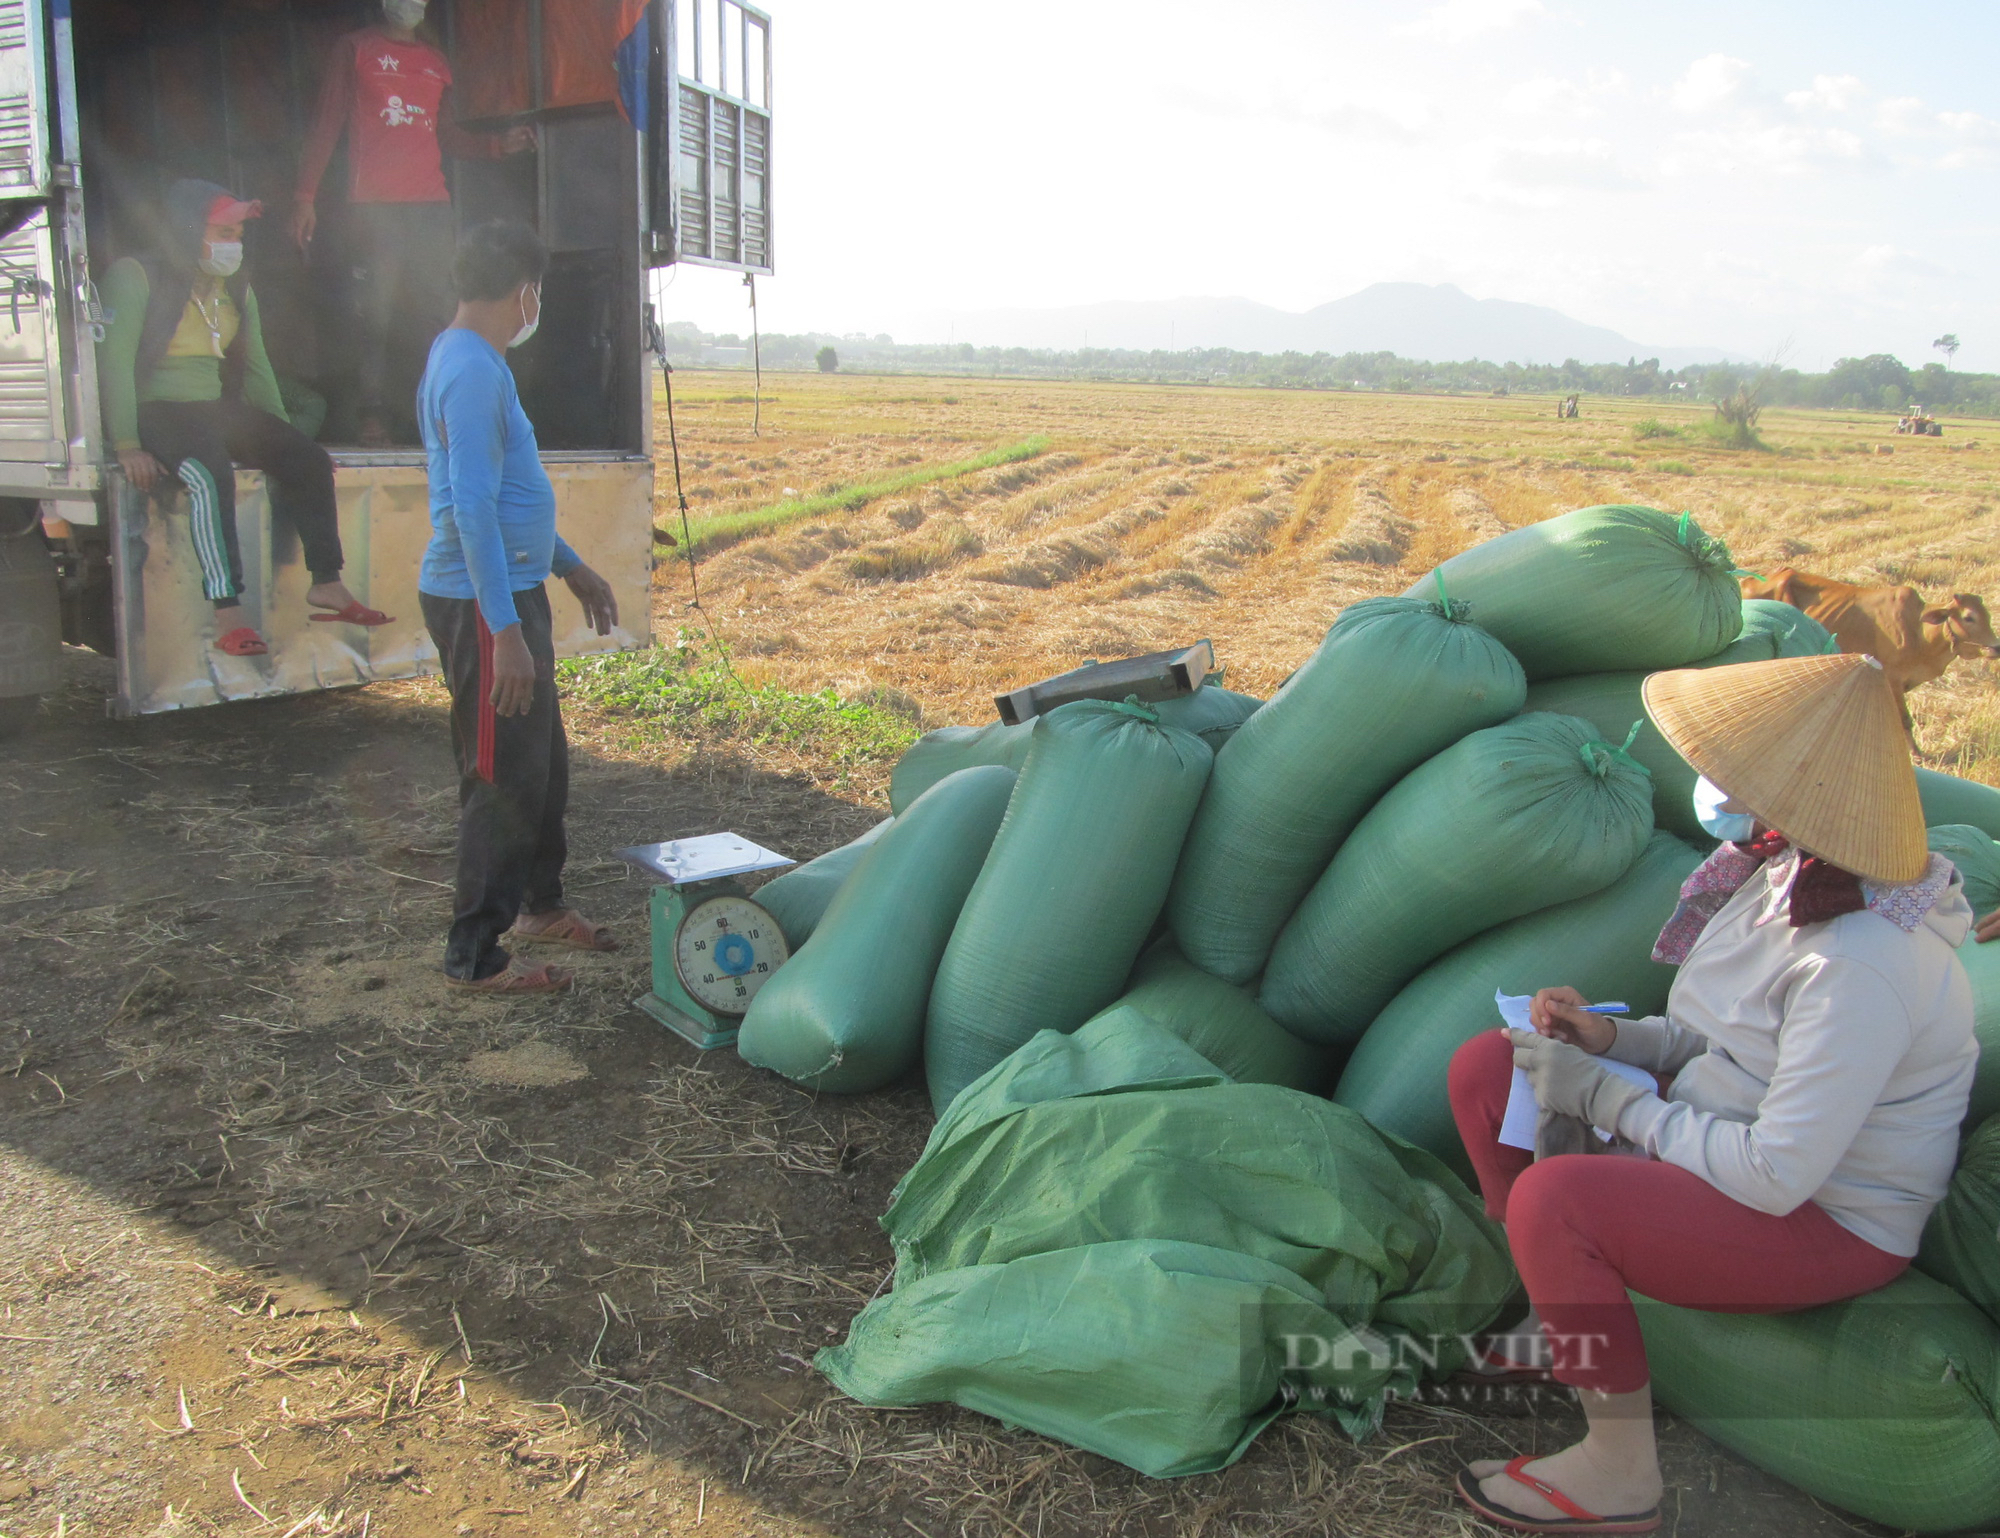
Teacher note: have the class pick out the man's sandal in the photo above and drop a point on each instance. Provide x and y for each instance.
(511, 981)
(356, 613)
(571, 929)
(241, 642)
(1575, 1520)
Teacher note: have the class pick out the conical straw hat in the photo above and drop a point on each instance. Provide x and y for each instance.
(1813, 745)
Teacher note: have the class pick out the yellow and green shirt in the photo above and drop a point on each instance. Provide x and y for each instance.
(192, 368)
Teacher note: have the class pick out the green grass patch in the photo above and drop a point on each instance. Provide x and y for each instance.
(1673, 467)
(1653, 427)
(714, 533)
(689, 693)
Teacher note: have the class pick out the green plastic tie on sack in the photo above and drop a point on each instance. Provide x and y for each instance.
(1739, 574)
(1444, 605)
(1601, 766)
(1705, 547)
(1130, 706)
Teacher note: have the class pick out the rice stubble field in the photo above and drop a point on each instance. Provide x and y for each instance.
(297, 1243)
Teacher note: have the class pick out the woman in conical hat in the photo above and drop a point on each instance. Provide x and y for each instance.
(1811, 1071)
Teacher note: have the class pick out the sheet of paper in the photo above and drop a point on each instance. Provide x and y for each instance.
(1517, 1125)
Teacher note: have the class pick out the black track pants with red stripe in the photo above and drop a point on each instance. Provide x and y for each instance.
(513, 782)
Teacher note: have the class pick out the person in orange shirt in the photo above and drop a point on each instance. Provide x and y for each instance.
(390, 92)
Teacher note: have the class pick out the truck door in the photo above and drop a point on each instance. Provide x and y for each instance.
(35, 426)
(709, 136)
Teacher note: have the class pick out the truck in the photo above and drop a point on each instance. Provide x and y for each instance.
(652, 124)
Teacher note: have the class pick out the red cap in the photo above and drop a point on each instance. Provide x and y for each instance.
(224, 209)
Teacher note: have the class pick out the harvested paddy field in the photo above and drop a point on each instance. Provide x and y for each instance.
(1158, 515)
(294, 1243)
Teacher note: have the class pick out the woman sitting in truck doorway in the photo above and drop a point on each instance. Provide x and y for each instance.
(189, 392)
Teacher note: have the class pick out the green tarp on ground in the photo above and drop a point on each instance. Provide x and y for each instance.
(1882, 1405)
(1600, 590)
(1107, 1242)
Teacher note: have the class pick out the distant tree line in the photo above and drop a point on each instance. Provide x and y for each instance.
(1877, 382)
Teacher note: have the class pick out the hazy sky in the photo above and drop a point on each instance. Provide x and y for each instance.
(1817, 176)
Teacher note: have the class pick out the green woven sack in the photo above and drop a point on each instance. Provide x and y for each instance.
(1977, 857)
(1106, 1243)
(1948, 799)
(1883, 1404)
(1599, 590)
(1612, 703)
(1601, 944)
(1515, 818)
(1978, 860)
(1395, 681)
(1772, 630)
(1077, 875)
(800, 897)
(1223, 1022)
(1982, 970)
(846, 1014)
(1212, 713)
(952, 748)
(1961, 1245)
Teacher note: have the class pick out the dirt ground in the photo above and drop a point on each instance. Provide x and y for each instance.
(294, 1242)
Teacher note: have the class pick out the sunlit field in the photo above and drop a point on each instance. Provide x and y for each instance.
(1160, 514)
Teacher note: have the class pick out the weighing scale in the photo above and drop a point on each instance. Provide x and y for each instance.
(713, 947)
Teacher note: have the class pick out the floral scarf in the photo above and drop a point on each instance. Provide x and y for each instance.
(1811, 890)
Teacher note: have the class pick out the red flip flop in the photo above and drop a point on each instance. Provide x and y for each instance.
(241, 642)
(356, 613)
(1575, 1520)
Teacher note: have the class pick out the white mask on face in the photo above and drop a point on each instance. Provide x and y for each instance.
(528, 326)
(1709, 800)
(403, 13)
(223, 258)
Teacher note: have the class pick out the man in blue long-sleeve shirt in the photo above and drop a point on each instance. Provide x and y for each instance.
(493, 545)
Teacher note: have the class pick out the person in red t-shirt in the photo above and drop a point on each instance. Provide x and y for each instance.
(391, 92)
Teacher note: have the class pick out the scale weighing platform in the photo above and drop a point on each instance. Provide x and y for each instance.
(713, 947)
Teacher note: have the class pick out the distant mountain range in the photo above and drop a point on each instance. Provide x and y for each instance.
(1434, 323)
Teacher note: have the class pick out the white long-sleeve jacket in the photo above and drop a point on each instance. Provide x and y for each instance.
(1829, 1063)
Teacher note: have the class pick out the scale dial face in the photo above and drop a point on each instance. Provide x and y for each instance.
(725, 950)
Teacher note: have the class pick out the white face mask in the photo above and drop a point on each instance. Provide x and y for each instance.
(528, 326)
(403, 13)
(1731, 827)
(223, 258)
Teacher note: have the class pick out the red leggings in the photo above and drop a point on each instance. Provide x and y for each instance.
(1585, 1227)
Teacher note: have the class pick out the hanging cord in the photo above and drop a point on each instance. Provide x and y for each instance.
(756, 360)
(687, 537)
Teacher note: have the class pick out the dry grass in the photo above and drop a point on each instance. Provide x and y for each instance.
(1254, 516)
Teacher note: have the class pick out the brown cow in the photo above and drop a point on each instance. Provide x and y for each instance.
(1913, 641)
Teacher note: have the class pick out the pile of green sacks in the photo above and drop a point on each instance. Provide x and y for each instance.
(1131, 946)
